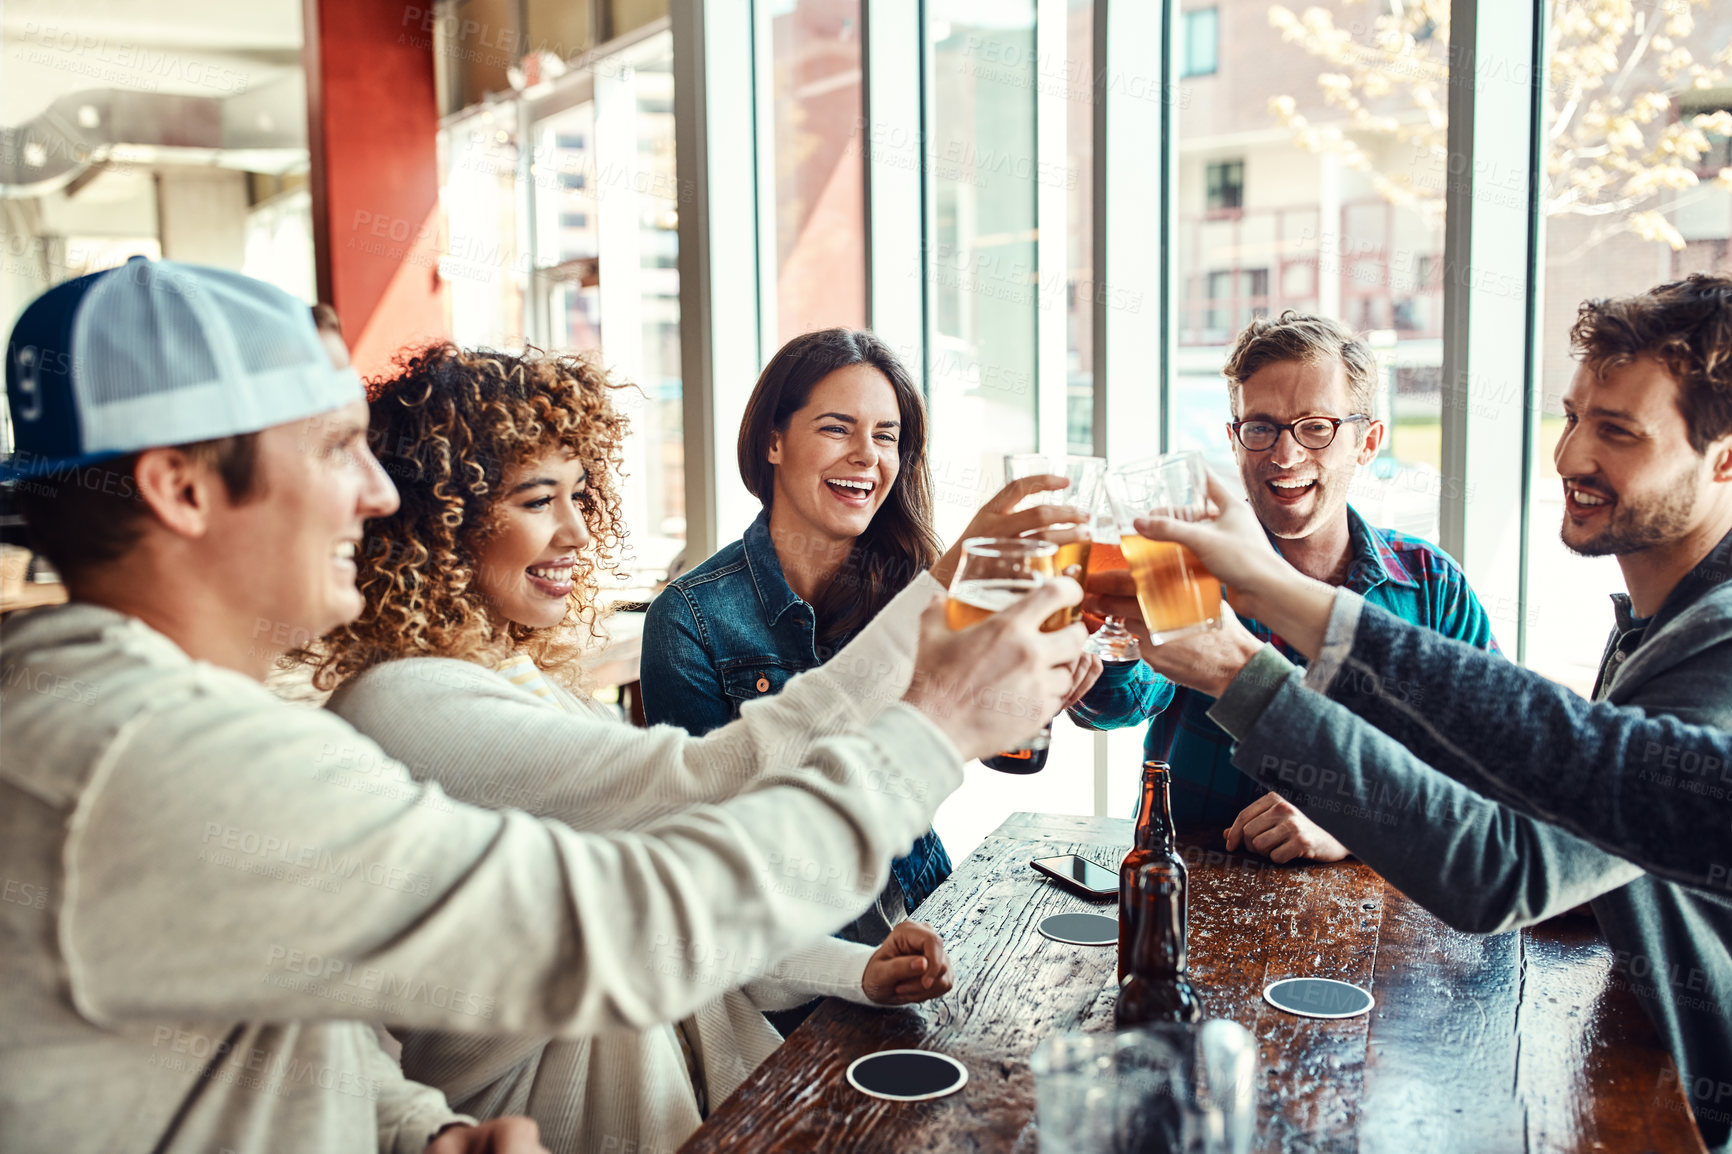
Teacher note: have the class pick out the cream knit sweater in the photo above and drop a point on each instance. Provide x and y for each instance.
(619, 1091)
(209, 892)
(472, 729)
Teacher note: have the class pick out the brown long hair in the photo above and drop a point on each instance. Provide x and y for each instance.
(900, 541)
(447, 427)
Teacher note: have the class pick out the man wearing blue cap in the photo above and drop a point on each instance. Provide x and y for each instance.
(194, 914)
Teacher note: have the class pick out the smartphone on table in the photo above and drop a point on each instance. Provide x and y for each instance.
(1080, 875)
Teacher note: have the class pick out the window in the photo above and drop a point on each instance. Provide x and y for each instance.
(1717, 130)
(1591, 252)
(603, 193)
(1331, 227)
(818, 164)
(655, 450)
(1226, 186)
(1200, 42)
(567, 244)
(1235, 298)
(482, 199)
(1010, 306)
(985, 302)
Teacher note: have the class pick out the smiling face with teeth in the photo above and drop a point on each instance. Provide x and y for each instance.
(1298, 492)
(537, 532)
(1631, 480)
(316, 484)
(836, 460)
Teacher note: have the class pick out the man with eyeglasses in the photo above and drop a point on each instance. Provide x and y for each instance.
(1487, 794)
(1303, 392)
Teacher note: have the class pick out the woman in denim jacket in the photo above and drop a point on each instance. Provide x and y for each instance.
(833, 443)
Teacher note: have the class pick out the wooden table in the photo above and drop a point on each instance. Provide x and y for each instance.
(1519, 1042)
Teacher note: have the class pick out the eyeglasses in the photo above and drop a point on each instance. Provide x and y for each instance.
(1310, 433)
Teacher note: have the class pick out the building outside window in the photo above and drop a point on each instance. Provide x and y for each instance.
(484, 268)
(1235, 299)
(981, 276)
(1604, 240)
(572, 248)
(1314, 233)
(1200, 41)
(817, 154)
(1345, 219)
(1225, 186)
(1003, 325)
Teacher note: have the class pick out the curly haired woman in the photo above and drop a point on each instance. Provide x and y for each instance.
(479, 592)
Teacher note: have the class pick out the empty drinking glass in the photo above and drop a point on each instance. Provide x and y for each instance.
(1113, 1093)
(1163, 1089)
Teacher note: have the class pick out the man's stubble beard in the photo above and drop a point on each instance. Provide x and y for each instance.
(1633, 528)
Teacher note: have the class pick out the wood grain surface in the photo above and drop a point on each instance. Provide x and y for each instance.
(1519, 1042)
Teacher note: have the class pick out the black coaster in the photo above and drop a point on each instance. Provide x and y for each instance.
(1319, 998)
(1081, 929)
(907, 1075)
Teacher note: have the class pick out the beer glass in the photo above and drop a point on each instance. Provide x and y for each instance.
(1084, 475)
(1183, 1089)
(1178, 596)
(1226, 1089)
(992, 573)
(1112, 642)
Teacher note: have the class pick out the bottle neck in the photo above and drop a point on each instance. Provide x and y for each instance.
(1158, 950)
(1155, 819)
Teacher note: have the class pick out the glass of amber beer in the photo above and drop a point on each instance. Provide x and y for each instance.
(1084, 475)
(992, 574)
(1112, 642)
(1178, 596)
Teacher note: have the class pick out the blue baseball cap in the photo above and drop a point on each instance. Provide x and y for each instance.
(157, 353)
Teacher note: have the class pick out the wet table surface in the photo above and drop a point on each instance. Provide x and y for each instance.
(1520, 1042)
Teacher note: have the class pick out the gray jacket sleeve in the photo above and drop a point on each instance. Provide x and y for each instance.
(1478, 865)
(1653, 789)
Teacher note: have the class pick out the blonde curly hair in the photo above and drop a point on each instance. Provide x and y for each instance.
(448, 427)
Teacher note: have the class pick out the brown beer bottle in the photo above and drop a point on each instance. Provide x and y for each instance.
(1156, 989)
(1153, 842)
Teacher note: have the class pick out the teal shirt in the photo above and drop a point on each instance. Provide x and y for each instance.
(1407, 576)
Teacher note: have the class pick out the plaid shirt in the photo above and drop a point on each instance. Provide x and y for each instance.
(1411, 578)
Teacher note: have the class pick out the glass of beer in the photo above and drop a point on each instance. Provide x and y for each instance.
(1084, 475)
(992, 574)
(1178, 596)
(1112, 642)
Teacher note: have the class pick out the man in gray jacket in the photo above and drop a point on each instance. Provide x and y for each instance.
(1646, 462)
(208, 893)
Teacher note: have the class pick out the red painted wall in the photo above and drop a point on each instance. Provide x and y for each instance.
(373, 138)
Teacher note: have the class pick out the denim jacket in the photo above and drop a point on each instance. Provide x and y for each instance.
(731, 630)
